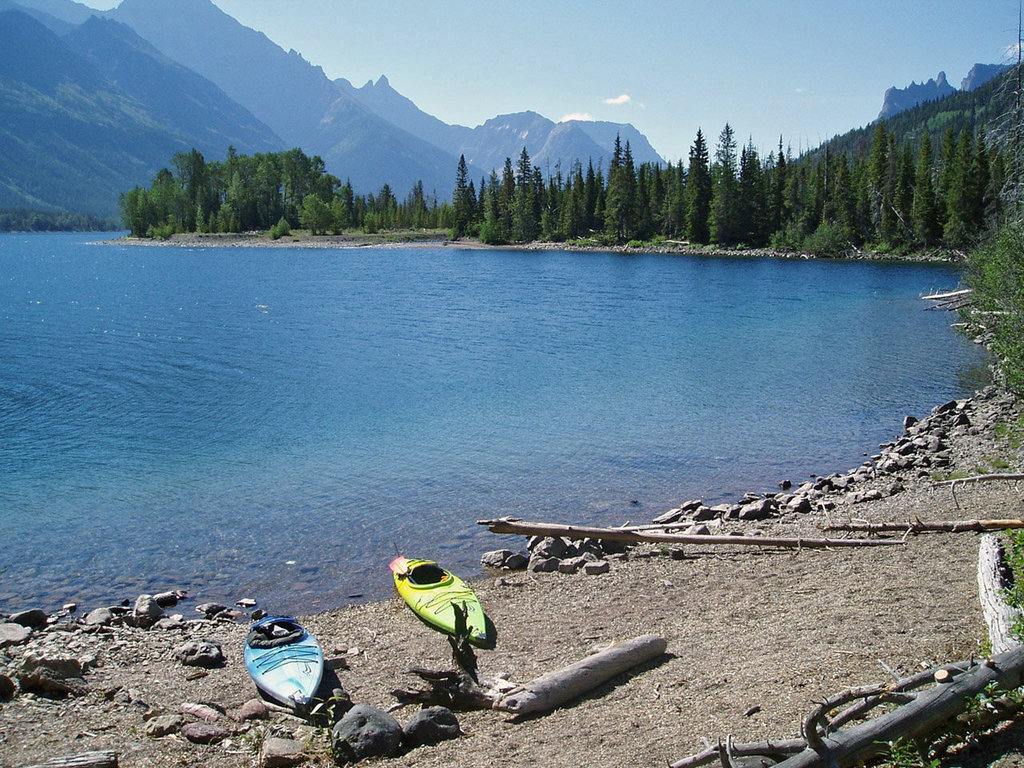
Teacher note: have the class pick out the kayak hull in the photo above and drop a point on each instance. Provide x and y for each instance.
(433, 592)
(289, 673)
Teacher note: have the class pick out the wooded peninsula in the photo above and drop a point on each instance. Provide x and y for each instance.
(893, 197)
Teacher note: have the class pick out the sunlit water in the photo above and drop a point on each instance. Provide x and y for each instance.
(278, 423)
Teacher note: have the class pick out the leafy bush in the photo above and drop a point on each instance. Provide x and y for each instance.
(281, 229)
(995, 272)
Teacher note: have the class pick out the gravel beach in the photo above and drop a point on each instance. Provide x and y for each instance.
(755, 636)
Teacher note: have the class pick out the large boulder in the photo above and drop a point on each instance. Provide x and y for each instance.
(363, 732)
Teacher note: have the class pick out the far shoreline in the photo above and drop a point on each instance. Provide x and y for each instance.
(440, 239)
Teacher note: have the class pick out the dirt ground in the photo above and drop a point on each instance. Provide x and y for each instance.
(755, 637)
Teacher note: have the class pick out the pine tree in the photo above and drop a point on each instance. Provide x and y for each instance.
(725, 227)
(925, 209)
(698, 192)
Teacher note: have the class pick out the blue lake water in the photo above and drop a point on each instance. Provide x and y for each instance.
(278, 423)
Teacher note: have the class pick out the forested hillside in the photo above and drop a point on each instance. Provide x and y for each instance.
(891, 188)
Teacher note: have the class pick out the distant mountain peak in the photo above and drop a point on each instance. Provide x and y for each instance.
(898, 99)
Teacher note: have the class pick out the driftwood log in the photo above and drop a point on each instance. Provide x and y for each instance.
(84, 760)
(554, 689)
(993, 579)
(920, 526)
(516, 526)
(543, 694)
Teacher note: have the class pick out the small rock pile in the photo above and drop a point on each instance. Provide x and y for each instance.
(550, 554)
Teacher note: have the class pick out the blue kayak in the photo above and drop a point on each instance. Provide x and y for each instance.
(284, 660)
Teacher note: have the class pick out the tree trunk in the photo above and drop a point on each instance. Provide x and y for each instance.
(512, 525)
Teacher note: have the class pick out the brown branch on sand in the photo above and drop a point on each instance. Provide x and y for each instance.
(516, 526)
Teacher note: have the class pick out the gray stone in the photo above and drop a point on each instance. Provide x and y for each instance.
(572, 564)
(99, 617)
(55, 677)
(13, 634)
(167, 599)
(431, 726)
(200, 653)
(164, 725)
(210, 610)
(281, 753)
(517, 561)
(549, 546)
(364, 732)
(34, 618)
(594, 569)
(703, 514)
(204, 733)
(253, 709)
(799, 504)
(495, 558)
(757, 510)
(145, 612)
(541, 564)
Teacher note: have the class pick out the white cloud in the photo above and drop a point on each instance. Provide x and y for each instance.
(584, 116)
(625, 98)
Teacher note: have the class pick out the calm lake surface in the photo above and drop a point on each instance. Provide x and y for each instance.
(279, 423)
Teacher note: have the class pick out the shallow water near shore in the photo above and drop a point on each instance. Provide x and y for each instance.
(278, 423)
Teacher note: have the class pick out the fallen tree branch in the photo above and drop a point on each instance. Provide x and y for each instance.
(516, 526)
(920, 526)
(1007, 476)
(927, 713)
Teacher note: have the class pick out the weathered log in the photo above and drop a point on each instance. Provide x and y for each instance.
(84, 760)
(1000, 617)
(554, 689)
(778, 750)
(915, 721)
(920, 526)
(516, 526)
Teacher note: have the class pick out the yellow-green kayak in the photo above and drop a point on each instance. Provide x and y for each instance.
(432, 592)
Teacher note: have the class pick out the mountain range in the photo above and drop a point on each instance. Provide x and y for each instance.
(93, 103)
(897, 100)
(123, 90)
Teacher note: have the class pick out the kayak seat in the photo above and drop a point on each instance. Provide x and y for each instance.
(274, 634)
(427, 574)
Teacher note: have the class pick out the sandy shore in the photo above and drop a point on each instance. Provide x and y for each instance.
(755, 637)
(439, 239)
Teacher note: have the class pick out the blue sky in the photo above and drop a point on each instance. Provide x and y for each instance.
(803, 69)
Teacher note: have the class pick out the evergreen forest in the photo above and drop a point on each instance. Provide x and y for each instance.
(896, 195)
